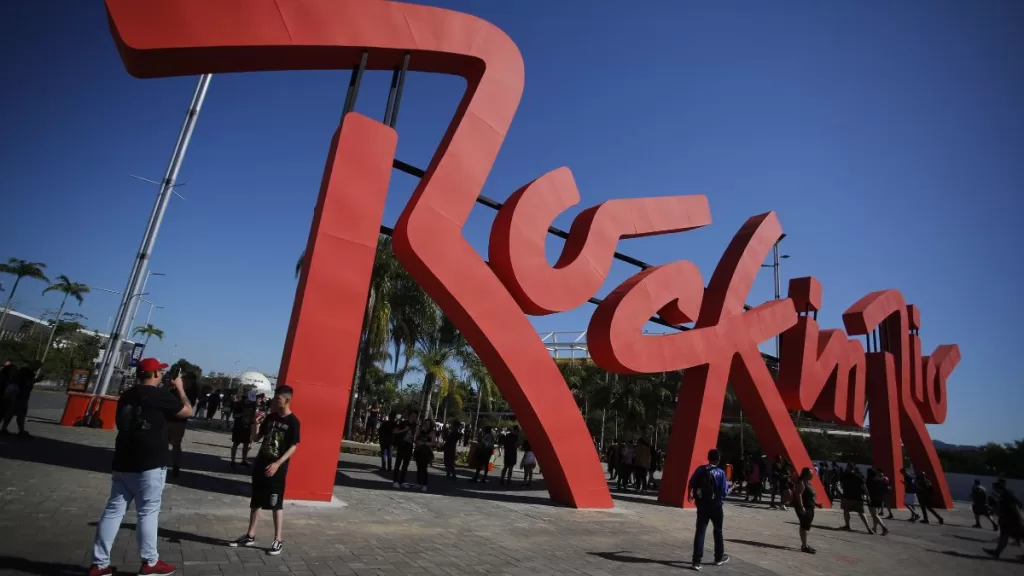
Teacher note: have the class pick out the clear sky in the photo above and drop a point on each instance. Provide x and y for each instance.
(888, 136)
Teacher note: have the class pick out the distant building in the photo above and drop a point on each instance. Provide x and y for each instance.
(17, 326)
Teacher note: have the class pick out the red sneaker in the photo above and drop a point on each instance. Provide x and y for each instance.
(97, 571)
(161, 568)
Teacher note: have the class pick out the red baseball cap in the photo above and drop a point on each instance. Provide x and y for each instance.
(151, 365)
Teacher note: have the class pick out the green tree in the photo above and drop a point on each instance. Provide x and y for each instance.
(149, 331)
(65, 286)
(20, 269)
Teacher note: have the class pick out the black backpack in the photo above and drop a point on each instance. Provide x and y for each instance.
(704, 486)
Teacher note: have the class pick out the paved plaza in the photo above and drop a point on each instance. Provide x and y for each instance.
(53, 488)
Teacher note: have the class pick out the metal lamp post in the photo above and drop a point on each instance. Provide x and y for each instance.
(139, 303)
(149, 238)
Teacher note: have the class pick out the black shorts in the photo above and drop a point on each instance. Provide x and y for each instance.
(267, 493)
(806, 519)
(510, 459)
(241, 435)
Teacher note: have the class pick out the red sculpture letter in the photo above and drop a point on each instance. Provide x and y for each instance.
(722, 345)
(184, 37)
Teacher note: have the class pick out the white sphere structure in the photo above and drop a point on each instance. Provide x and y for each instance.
(256, 381)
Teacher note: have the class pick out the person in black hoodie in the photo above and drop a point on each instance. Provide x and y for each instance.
(384, 437)
(403, 437)
(1011, 525)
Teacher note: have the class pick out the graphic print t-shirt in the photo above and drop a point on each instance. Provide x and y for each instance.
(279, 434)
(142, 415)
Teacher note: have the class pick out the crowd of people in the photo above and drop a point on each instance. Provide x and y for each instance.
(152, 416)
(856, 491)
(403, 440)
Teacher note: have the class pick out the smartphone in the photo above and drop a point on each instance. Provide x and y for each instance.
(172, 374)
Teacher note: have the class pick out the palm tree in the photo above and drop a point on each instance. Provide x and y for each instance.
(149, 331)
(20, 269)
(485, 386)
(65, 286)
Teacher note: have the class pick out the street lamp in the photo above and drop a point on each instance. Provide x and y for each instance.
(142, 291)
(151, 306)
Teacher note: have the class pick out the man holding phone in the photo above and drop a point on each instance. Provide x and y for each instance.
(176, 426)
(140, 466)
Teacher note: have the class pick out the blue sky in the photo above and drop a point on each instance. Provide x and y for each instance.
(889, 137)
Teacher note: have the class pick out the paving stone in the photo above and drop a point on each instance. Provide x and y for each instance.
(53, 488)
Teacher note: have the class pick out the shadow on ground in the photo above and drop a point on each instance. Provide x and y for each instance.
(369, 477)
(757, 544)
(25, 566)
(624, 557)
(175, 536)
(54, 452)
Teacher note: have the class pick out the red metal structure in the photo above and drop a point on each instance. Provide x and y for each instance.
(487, 302)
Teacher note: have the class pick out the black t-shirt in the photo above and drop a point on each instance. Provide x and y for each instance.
(244, 413)
(404, 433)
(384, 432)
(853, 486)
(452, 439)
(979, 497)
(909, 485)
(510, 442)
(279, 433)
(142, 415)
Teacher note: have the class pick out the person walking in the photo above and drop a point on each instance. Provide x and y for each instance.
(909, 493)
(776, 482)
(529, 463)
(484, 450)
(241, 432)
(980, 507)
(404, 436)
(878, 492)
(613, 455)
(424, 452)
(1011, 525)
(23, 380)
(140, 467)
(926, 496)
(708, 487)
(804, 503)
(280, 435)
(641, 464)
(385, 435)
(451, 444)
(854, 491)
(511, 446)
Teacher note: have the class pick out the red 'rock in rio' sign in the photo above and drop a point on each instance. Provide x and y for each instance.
(161, 38)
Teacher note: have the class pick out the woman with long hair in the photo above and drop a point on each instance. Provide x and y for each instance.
(804, 503)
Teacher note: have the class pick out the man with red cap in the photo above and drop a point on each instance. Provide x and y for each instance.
(140, 466)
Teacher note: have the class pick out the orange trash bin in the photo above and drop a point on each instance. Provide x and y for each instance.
(78, 403)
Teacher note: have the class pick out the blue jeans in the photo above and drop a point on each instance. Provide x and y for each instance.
(708, 513)
(385, 457)
(146, 489)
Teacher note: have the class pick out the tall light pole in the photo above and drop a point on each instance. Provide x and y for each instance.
(778, 288)
(149, 238)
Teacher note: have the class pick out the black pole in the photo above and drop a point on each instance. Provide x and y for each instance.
(353, 85)
(398, 91)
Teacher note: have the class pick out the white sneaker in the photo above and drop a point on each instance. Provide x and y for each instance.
(275, 548)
